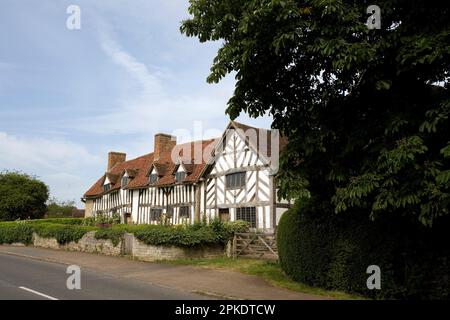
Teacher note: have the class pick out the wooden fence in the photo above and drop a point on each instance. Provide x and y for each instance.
(255, 245)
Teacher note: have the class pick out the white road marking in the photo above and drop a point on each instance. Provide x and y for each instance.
(38, 293)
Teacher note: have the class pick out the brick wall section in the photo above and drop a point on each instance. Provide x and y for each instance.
(138, 250)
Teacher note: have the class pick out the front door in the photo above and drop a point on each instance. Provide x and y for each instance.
(127, 218)
(224, 214)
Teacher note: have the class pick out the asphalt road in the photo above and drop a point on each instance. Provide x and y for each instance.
(27, 279)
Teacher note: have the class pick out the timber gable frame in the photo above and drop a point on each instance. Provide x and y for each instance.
(203, 190)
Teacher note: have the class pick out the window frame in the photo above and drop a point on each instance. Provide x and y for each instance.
(230, 184)
(124, 178)
(106, 187)
(183, 214)
(159, 213)
(153, 175)
(180, 173)
(247, 212)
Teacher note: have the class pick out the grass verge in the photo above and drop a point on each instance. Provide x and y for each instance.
(268, 270)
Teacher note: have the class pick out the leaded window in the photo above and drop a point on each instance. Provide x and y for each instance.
(235, 180)
(155, 214)
(153, 178)
(180, 176)
(247, 214)
(184, 212)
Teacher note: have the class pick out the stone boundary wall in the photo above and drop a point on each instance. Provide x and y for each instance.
(130, 246)
(87, 243)
(144, 252)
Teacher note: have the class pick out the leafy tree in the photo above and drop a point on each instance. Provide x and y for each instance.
(57, 208)
(366, 111)
(21, 196)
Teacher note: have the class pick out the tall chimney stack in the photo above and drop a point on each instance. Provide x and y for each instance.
(164, 143)
(115, 158)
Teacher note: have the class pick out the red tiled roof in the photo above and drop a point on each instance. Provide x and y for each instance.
(117, 171)
(139, 168)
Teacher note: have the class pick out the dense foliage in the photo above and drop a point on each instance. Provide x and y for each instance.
(63, 233)
(11, 232)
(333, 251)
(367, 126)
(101, 220)
(21, 196)
(66, 230)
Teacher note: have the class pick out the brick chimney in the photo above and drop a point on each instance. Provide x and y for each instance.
(164, 144)
(115, 158)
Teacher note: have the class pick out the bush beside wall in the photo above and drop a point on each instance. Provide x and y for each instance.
(13, 232)
(333, 251)
(66, 230)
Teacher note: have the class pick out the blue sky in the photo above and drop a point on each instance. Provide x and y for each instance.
(67, 97)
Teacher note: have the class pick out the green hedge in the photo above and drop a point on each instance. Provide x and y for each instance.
(66, 230)
(11, 232)
(181, 235)
(64, 233)
(333, 251)
(71, 221)
(22, 231)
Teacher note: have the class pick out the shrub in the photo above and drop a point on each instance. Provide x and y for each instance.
(71, 221)
(64, 233)
(333, 251)
(114, 234)
(13, 231)
(101, 220)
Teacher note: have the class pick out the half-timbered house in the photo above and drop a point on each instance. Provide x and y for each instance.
(231, 178)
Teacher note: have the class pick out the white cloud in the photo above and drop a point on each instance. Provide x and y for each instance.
(62, 164)
(148, 105)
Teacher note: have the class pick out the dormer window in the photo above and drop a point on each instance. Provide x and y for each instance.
(106, 184)
(180, 176)
(125, 180)
(153, 178)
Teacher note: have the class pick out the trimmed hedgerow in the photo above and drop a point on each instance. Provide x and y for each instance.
(70, 221)
(183, 235)
(333, 252)
(115, 234)
(67, 230)
(12, 231)
(63, 233)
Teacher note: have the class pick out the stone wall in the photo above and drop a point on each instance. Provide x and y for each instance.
(146, 252)
(87, 243)
(132, 247)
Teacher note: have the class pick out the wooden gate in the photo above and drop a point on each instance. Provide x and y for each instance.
(255, 245)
